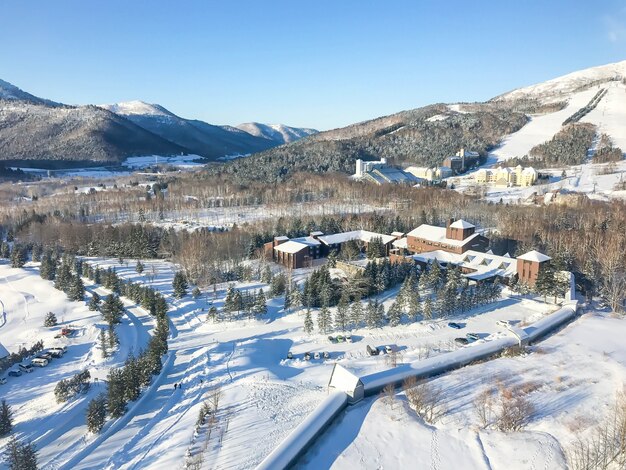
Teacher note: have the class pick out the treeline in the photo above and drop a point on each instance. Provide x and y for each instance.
(582, 112)
(568, 147)
(605, 152)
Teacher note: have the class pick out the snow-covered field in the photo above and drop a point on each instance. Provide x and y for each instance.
(264, 395)
(572, 380)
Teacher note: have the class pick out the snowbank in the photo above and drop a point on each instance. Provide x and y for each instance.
(302, 437)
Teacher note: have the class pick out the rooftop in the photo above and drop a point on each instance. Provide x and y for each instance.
(438, 234)
(535, 256)
(291, 247)
(462, 224)
(362, 235)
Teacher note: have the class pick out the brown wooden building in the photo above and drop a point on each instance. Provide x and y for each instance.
(529, 265)
(456, 237)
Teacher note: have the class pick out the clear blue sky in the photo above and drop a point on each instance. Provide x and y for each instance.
(318, 64)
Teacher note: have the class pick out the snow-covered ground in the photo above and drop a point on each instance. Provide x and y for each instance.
(264, 395)
(596, 180)
(572, 380)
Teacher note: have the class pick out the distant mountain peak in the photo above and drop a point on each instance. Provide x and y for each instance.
(10, 92)
(277, 132)
(570, 82)
(136, 107)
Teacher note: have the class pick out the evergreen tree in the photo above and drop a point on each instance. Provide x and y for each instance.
(112, 336)
(116, 401)
(112, 309)
(180, 285)
(428, 309)
(76, 289)
(6, 418)
(260, 304)
(18, 256)
(195, 293)
(414, 307)
(308, 322)
(94, 302)
(371, 311)
(5, 250)
(546, 281)
(96, 414)
(63, 278)
(50, 320)
(395, 314)
(212, 314)
(266, 275)
(375, 248)
(103, 344)
(139, 267)
(36, 252)
(323, 319)
(341, 315)
(296, 300)
(21, 456)
(356, 313)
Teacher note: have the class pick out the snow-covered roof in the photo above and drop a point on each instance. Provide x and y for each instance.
(438, 234)
(401, 243)
(483, 265)
(291, 247)
(440, 255)
(362, 235)
(3, 351)
(462, 224)
(397, 234)
(281, 238)
(344, 380)
(316, 233)
(535, 256)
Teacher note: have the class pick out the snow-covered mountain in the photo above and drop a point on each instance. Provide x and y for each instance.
(201, 138)
(567, 84)
(276, 132)
(577, 90)
(10, 92)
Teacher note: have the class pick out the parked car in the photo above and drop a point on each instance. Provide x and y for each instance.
(45, 355)
(461, 341)
(289, 355)
(332, 339)
(307, 356)
(454, 325)
(504, 323)
(316, 355)
(372, 351)
(26, 368)
(348, 338)
(326, 355)
(3, 380)
(56, 352)
(39, 362)
(388, 349)
(340, 339)
(15, 373)
(472, 336)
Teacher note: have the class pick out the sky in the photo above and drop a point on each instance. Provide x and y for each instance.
(320, 64)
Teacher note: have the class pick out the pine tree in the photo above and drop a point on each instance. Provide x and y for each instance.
(116, 402)
(112, 336)
(414, 307)
(195, 293)
(112, 309)
(341, 315)
(428, 309)
(356, 313)
(266, 275)
(370, 314)
(103, 344)
(139, 267)
(50, 320)
(546, 281)
(76, 289)
(278, 285)
(36, 252)
(180, 285)
(260, 304)
(395, 314)
(96, 414)
(6, 418)
(18, 256)
(94, 302)
(323, 319)
(308, 322)
(5, 250)
(21, 456)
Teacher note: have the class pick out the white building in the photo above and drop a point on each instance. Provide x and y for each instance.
(363, 167)
(435, 174)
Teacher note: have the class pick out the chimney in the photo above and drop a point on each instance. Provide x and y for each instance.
(450, 221)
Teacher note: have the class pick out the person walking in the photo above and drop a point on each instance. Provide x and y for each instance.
(175, 385)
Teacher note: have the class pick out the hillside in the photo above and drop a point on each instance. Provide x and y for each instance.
(422, 136)
(279, 133)
(41, 134)
(199, 137)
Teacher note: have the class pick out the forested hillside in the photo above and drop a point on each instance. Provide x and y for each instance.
(424, 136)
